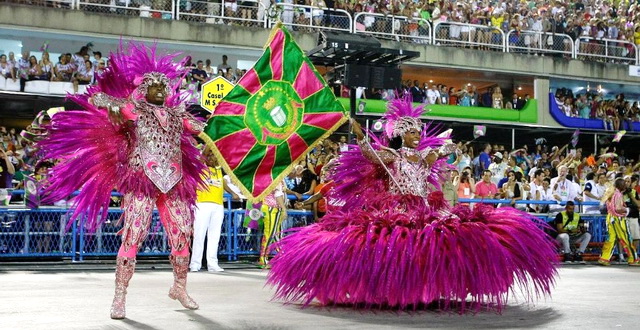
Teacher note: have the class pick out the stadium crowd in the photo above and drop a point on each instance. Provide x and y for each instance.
(562, 176)
(594, 105)
(611, 19)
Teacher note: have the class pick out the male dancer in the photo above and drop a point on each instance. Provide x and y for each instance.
(135, 135)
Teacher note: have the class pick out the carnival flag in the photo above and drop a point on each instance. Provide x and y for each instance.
(619, 136)
(575, 137)
(277, 112)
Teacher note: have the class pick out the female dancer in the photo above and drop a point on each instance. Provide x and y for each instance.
(396, 243)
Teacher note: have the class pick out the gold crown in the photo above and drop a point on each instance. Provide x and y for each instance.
(270, 103)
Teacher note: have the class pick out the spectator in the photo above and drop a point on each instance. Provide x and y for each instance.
(209, 69)
(484, 157)
(497, 98)
(84, 76)
(433, 95)
(466, 185)
(512, 189)
(33, 72)
(301, 181)
(464, 97)
(224, 67)
(13, 63)
(516, 102)
(416, 92)
(536, 191)
(562, 188)
(63, 70)
(465, 157)
(99, 69)
(22, 66)
(343, 145)
(486, 188)
(498, 168)
(199, 75)
(77, 59)
(453, 96)
(594, 191)
(46, 66)
(6, 170)
(486, 98)
(97, 58)
(444, 95)
(450, 187)
(6, 69)
(571, 230)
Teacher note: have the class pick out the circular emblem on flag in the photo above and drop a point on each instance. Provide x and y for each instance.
(274, 113)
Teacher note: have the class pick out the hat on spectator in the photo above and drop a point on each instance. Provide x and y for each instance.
(498, 155)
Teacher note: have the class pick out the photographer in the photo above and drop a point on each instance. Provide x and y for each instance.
(466, 184)
(571, 229)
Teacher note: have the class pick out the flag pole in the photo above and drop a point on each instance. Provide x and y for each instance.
(352, 110)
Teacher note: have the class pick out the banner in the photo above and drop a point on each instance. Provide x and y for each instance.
(277, 112)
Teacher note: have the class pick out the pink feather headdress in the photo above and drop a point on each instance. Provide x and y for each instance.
(402, 116)
(136, 66)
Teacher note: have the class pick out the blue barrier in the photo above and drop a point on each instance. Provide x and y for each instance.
(42, 233)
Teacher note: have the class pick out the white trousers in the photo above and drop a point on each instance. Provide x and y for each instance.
(208, 222)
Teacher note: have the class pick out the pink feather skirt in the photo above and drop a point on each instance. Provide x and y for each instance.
(396, 252)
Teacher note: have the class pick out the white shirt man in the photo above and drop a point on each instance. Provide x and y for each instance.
(563, 189)
(433, 95)
(535, 189)
(593, 192)
(497, 168)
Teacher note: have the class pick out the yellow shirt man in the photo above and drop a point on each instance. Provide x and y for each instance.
(215, 187)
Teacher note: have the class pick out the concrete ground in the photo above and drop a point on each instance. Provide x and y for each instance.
(78, 296)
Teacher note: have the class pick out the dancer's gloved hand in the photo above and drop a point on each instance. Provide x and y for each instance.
(357, 129)
(115, 115)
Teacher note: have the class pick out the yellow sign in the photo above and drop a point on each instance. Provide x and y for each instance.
(213, 91)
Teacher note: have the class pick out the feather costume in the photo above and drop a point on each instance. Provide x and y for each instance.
(96, 156)
(396, 243)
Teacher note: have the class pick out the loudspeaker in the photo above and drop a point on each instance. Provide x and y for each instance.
(356, 75)
(385, 78)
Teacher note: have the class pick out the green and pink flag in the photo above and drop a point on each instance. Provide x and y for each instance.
(277, 112)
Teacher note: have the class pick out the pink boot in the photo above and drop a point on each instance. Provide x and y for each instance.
(178, 290)
(124, 270)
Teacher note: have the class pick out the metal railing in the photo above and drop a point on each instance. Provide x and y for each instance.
(247, 13)
(163, 9)
(399, 28)
(309, 18)
(63, 4)
(42, 233)
(468, 36)
(606, 50)
(535, 42)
